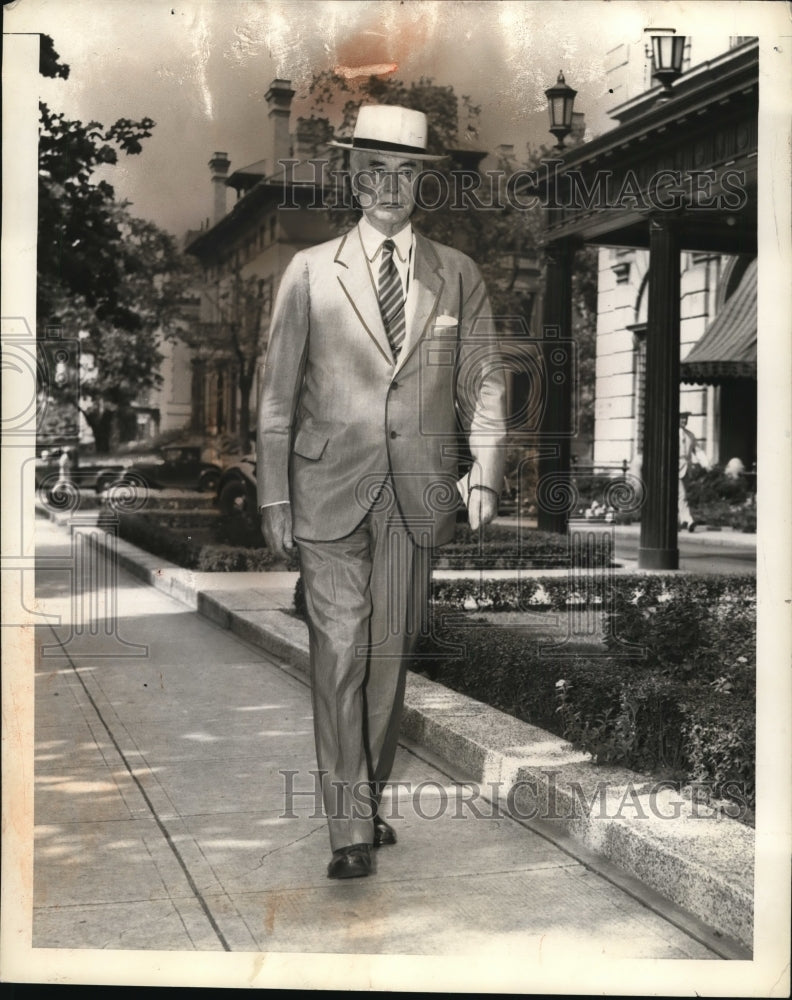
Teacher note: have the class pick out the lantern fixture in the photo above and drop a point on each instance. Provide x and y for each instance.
(668, 49)
(560, 101)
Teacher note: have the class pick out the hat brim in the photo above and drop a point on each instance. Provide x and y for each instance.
(408, 154)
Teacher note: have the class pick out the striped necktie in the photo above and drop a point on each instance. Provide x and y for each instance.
(391, 298)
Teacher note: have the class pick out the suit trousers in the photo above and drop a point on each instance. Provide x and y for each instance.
(366, 597)
(683, 510)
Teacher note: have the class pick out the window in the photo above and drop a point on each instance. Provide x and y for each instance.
(639, 385)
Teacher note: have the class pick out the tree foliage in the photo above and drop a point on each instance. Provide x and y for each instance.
(112, 280)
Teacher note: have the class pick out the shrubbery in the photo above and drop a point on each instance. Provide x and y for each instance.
(708, 485)
(671, 689)
(557, 593)
(507, 547)
(721, 501)
(205, 540)
(155, 536)
(176, 537)
(668, 688)
(722, 514)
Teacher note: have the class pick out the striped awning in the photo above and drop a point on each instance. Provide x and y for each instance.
(728, 347)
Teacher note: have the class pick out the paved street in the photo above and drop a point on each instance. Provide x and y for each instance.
(702, 551)
(161, 818)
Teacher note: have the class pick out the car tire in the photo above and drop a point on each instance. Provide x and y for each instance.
(236, 500)
(209, 482)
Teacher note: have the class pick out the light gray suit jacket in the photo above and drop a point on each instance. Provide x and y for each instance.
(338, 418)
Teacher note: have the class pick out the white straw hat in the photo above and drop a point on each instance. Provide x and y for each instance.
(390, 129)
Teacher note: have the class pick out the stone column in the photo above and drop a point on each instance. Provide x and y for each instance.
(658, 548)
(554, 484)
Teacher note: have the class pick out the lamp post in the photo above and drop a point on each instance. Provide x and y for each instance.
(668, 48)
(560, 101)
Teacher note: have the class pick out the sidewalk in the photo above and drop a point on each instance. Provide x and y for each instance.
(703, 535)
(160, 799)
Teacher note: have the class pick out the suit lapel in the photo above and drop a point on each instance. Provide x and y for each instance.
(429, 282)
(355, 279)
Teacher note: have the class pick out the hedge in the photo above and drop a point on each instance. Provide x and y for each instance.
(671, 692)
(176, 538)
(527, 593)
(508, 547)
(668, 687)
(721, 501)
(206, 540)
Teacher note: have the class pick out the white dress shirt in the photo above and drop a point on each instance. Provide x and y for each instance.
(372, 240)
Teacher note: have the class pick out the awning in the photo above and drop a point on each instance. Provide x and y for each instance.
(728, 347)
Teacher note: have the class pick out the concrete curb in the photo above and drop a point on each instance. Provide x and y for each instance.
(690, 854)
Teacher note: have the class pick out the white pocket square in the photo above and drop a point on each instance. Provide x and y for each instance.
(446, 321)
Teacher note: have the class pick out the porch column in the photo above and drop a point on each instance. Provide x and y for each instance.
(658, 548)
(558, 365)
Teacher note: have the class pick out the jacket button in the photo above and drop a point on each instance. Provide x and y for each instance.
(394, 385)
(394, 434)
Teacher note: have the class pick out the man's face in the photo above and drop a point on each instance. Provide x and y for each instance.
(683, 420)
(385, 187)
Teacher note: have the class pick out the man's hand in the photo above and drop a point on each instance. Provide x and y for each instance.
(276, 527)
(482, 507)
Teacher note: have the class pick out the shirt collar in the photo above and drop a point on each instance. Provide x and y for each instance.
(372, 240)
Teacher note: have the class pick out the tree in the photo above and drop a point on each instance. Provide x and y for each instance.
(121, 355)
(239, 307)
(109, 279)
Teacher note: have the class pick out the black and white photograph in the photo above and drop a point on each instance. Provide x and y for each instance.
(396, 481)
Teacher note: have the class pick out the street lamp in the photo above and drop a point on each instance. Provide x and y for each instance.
(667, 51)
(560, 101)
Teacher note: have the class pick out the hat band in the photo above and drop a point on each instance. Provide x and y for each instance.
(389, 147)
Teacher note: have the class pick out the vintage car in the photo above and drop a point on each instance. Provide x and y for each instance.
(236, 491)
(94, 472)
(173, 466)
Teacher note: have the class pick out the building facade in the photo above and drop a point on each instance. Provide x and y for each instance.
(717, 387)
(668, 196)
(242, 254)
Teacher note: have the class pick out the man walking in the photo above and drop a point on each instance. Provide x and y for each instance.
(689, 454)
(381, 343)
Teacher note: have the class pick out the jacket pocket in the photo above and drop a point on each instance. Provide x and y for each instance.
(310, 444)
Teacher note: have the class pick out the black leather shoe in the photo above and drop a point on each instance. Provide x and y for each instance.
(383, 833)
(692, 527)
(350, 862)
